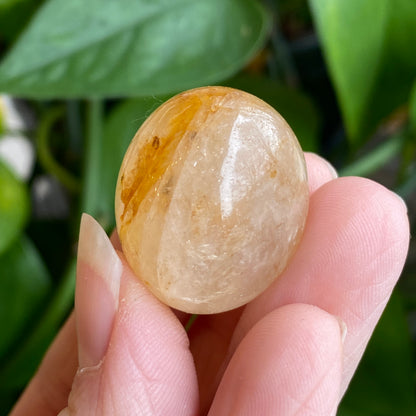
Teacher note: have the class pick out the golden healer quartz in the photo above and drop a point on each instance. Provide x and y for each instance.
(211, 199)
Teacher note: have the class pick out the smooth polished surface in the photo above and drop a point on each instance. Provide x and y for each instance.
(211, 199)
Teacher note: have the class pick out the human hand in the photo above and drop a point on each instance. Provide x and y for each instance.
(287, 352)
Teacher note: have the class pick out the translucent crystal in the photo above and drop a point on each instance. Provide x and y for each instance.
(211, 199)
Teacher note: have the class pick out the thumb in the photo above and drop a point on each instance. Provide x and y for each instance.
(133, 353)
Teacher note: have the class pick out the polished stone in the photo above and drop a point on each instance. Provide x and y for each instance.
(211, 199)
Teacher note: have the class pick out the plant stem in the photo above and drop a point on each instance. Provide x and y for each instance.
(73, 112)
(282, 67)
(190, 322)
(46, 158)
(90, 198)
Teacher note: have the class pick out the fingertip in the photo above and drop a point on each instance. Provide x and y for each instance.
(380, 215)
(289, 361)
(320, 171)
(364, 230)
(147, 367)
(97, 291)
(149, 347)
(143, 315)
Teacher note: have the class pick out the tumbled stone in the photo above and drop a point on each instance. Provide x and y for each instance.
(211, 199)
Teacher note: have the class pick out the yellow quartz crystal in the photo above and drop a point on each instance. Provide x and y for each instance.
(211, 199)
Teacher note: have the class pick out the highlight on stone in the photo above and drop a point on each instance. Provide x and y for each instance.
(211, 199)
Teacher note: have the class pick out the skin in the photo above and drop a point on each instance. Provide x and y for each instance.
(291, 351)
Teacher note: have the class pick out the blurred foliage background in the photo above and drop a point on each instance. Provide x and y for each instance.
(86, 75)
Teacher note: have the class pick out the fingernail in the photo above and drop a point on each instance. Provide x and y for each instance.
(97, 291)
(343, 328)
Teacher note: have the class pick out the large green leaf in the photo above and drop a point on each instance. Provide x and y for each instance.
(104, 48)
(294, 106)
(14, 204)
(24, 284)
(384, 383)
(370, 49)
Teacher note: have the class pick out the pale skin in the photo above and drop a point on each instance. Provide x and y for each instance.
(291, 351)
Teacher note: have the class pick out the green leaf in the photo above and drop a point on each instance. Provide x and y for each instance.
(24, 285)
(14, 207)
(127, 48)
(342, 411)
(376, 158)
(20, 366)
(8, 3)
(7, 401)
(384, 383)
(119, 129)
(294, 106)
(14, 16)
(369, 46)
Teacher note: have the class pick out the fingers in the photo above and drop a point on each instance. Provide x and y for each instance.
(350, 257)
(96, 302)
(289, 363)
(147, 368)
(133, 352)
(320, 171)
(210, 337)
(48, 391)
(134, 355)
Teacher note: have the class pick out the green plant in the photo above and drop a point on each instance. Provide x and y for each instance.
(92, 71)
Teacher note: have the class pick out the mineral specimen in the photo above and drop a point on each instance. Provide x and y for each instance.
(211, 199)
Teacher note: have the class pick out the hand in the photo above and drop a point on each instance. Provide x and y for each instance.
(287, 352)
